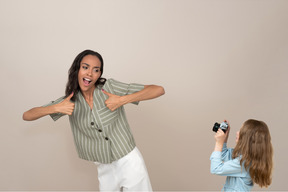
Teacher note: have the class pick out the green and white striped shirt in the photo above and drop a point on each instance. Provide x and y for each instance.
(99, 134)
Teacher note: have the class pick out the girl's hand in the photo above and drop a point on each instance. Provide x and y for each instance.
(227, 131)
(66, 106)
(220, 138)
(114, 101)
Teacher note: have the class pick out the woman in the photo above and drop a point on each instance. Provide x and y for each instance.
(98, 122)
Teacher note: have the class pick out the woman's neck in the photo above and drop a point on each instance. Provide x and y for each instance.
(88, 96)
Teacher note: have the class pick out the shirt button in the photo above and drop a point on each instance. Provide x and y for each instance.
(100, 130)
(106, 138)
(92, 123)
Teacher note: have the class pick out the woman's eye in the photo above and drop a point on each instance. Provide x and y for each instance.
(96, 70)
(84, 67)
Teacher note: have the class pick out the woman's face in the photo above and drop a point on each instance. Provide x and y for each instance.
(89, 73)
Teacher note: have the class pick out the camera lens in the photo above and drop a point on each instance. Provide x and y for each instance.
(216, 127)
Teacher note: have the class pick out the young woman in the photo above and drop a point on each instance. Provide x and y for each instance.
(98, 122)
(249, 162)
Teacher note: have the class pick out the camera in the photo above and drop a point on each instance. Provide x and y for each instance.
(223, 126)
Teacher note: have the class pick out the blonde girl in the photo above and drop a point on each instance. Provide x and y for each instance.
(249, 162)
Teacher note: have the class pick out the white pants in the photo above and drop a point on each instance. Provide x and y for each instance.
(126, 174)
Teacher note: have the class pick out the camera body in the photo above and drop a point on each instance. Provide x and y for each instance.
(223, 126)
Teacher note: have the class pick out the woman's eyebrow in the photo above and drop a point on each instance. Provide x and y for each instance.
(89, 65)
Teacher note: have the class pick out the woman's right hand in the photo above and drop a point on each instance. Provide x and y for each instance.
(66, 106)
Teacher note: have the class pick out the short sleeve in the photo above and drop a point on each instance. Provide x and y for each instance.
(122, 89)
(55, 116)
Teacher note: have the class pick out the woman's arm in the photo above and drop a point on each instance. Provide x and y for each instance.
(38, 112)
(65, 107)
(149, 92)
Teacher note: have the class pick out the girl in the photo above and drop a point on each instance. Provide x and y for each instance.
(249, 162)
(98, 122)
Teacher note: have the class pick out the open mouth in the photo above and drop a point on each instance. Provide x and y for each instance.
(86, 81)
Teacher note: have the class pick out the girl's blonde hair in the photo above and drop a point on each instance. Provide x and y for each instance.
(254, 145)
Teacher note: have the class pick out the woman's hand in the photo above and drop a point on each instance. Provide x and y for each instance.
(66, 106)
(149, 92)
(114, 101)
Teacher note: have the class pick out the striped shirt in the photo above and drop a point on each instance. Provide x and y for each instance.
(101, 135)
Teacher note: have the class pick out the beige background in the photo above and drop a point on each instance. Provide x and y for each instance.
(216, 59)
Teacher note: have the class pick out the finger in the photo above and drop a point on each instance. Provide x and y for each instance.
(70, 96)
(110, 107)
(220, 131)
(106, 93)
(71, 111)
(227, 122)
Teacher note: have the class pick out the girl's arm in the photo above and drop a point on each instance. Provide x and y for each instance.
(218, 166)
(227, 168)
(65, 107)
(221, 160)
(226, 153)
(149, 92)
(220, 138)
(221, 143)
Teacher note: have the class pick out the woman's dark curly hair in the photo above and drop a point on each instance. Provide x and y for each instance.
(73, 84)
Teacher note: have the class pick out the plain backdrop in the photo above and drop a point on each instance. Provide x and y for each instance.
(216, 59)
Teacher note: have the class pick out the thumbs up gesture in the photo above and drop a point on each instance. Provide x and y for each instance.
(114, 101)
(66, 106)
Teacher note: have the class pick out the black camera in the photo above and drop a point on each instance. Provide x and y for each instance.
(223, 126)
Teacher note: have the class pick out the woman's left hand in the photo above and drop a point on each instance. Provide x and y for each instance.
(114, 101)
